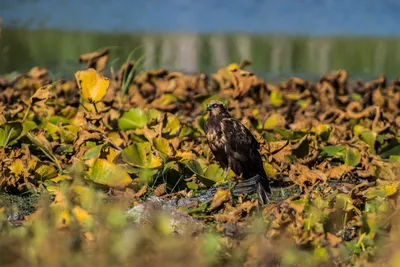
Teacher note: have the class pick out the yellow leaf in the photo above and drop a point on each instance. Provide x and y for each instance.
(115, 138)
(112, 153)
(222, 196)
(276, 98)
(83, 217)
(89, 107)
(391, 189)
(110, 174)
(89, 236)
(16, 167)
(162, 145)
(32, 163)
(274, 121)
(61, 177)
(53, 189)
(93, 86)
(164, 225)
(185, 155)
(269, 169)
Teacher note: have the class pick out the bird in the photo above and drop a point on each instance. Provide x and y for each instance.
(235, 147)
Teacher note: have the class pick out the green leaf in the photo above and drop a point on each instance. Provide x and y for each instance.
(28, 126)
(369, 137)
(199, 124)
(269, 137)
(289, 134)
(344, 202)
(140, 155)
(334, 151)
(394, 151)
(394, 158)
(172, 125)
(110, 174)
(136, 118)
(192, 185)
(9, 132)
(186, 131)
(93, 152)
(214, 173)
(57, 119)
(69, 133)
(353, 157)
(324, 131)
(195, 167)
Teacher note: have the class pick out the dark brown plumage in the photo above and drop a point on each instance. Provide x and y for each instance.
(235, 147)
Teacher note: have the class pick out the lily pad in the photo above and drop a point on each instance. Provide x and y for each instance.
(140, 155)
(334, 151)
(109, 174)
(162, 145)
(93, 152)
(136, 118)
(207, 175)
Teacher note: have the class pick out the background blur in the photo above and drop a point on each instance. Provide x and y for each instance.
(282, 38)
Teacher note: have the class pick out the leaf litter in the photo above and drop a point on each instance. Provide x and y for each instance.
(99, 145)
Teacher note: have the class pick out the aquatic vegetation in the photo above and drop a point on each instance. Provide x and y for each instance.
(100, 144)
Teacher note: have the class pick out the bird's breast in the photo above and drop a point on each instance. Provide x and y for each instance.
(215, 138)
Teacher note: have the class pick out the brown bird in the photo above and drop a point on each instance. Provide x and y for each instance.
(234, 146)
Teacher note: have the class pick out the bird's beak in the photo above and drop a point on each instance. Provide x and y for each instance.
(209, 108)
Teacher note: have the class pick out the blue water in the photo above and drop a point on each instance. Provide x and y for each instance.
(295, 17)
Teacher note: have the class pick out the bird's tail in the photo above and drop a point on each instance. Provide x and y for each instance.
(254, 184)
(262, 191)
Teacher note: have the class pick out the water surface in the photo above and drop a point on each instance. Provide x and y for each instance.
(290, 37)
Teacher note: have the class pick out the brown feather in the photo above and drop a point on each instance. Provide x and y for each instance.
(234, 146)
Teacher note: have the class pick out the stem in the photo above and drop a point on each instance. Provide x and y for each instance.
(114, 145)
(95, 108)
(52, 158)
(26, 112)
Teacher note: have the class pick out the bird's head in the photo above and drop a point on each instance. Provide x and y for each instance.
(216, 107)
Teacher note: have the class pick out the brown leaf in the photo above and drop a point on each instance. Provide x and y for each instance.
(160, 190)
(141, 192)
(38, 72)
(42, 94)
(96, 60)
(333, 239)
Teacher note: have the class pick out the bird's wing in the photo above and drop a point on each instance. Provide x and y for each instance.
(241, 146)
(242, 150)
(237, 136)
